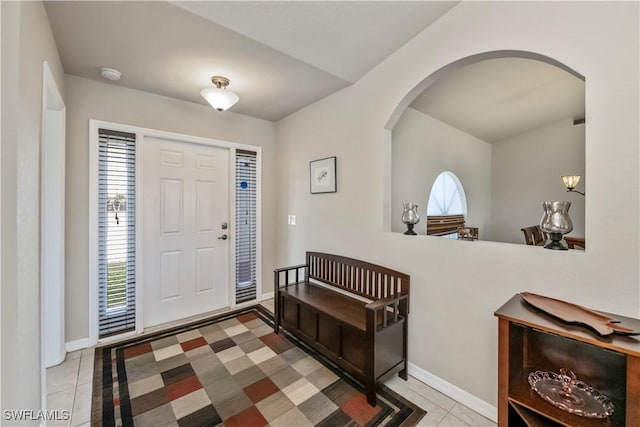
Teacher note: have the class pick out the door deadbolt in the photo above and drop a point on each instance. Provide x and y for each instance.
(224, 226)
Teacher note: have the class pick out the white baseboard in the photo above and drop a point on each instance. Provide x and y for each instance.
(76, 345)
(467, 399)
(266, 296)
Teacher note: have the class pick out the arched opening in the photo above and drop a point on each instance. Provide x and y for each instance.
(490, 118)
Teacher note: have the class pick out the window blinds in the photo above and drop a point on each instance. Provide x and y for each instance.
(116, 232)
(245, 226)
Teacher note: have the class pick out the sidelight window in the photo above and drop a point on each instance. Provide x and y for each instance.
(116, 232)
(246, 247)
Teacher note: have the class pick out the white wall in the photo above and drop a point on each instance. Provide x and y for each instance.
(87, 99)
(422, 147)
(452, 332)
(527, 170)
(26, 42)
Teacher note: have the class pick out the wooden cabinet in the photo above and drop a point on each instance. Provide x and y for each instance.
(531, 340)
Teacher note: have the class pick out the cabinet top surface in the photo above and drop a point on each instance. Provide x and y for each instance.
(518, 311)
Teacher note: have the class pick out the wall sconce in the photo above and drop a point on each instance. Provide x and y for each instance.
(571, 181)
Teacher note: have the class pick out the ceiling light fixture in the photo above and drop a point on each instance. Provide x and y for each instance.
(110, 73)
(219, 97)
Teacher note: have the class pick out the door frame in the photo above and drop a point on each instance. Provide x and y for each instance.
(52, 221)
(141, 133)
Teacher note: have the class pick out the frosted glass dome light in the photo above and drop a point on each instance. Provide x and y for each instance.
(219, 97)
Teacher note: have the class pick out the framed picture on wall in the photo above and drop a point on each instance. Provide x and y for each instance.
(323, 175)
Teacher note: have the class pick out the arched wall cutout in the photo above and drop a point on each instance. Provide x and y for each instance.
(425, 83)
(462, 62)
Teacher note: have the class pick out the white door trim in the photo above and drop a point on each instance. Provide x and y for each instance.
(141, 133)
(52, 207)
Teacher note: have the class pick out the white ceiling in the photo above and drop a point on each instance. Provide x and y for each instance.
(500, 98)
(279, 56)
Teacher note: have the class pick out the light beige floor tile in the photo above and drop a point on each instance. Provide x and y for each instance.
(433, 417)
(85, 373)
(82, 405)
(88, 352)
(429, 393)
(63, 376)
(74, 355)
(469, 416)
(452, 421)
(434, 412)
(62, 402)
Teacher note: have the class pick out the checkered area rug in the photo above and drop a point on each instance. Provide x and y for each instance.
(233, 371)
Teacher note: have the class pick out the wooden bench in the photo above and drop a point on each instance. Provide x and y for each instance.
(351, 311)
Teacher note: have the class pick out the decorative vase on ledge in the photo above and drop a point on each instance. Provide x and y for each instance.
(410, 217)
(556, 222)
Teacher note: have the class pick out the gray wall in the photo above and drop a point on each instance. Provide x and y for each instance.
(26, 42)
(422, 147)
(88, 99)
(526, 171)
(456, 286)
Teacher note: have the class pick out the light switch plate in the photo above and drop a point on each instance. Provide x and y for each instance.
(291, 220)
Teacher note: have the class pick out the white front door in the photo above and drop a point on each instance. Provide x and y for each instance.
(185, 212)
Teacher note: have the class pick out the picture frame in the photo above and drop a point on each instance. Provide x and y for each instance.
(322, 175)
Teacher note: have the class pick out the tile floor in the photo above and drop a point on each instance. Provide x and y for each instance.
(69, 388)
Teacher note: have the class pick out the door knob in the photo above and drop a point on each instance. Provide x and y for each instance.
(223, 237)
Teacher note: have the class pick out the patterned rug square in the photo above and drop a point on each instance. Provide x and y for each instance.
(232, 370)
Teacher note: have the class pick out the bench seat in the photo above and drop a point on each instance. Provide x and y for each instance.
(349, 310)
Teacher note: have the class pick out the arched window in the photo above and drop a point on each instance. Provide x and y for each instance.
(447, 206)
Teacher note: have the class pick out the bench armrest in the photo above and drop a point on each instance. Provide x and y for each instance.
(278, 270)
(293, 271)
(392, 307)
(375, 305)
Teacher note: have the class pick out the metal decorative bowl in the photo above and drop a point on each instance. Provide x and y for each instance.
(566, 392)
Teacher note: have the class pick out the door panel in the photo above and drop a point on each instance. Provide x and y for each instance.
(206, 267)
(171, 275)
(171, 205)
(185, 203)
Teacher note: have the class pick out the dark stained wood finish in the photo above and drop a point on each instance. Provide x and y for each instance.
(441, 225)
(573, 313)
(572, 242)
(366, 339)
(530, 340)
(534, 235)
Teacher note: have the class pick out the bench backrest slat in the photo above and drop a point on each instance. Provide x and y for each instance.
(359, 277)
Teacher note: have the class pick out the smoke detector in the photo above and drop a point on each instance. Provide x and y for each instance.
(110, 73)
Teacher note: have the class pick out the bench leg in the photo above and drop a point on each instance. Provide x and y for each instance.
(276, 309)
(403, 374)
(371, 394)
(276, 323)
